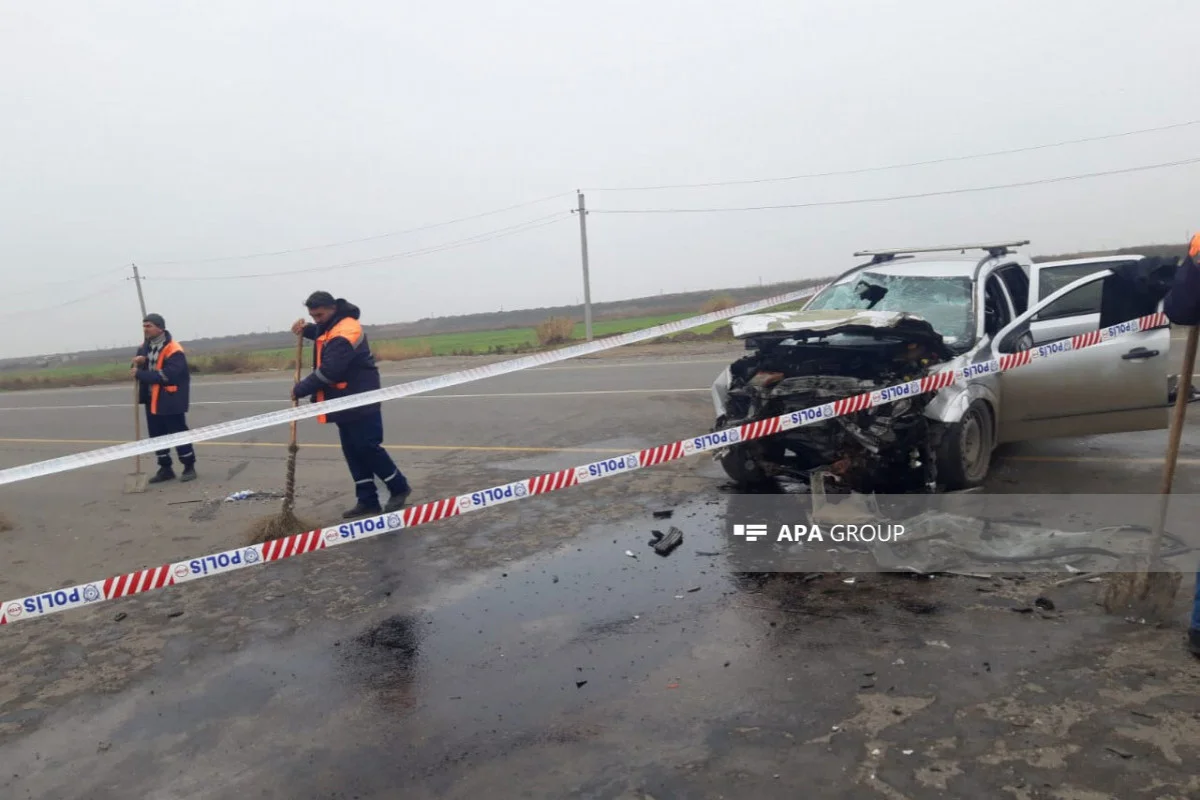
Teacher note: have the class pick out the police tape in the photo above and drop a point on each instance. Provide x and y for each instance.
(85, 594)
(247, 424)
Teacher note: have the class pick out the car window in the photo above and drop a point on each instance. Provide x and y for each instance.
(1017, 283)
(944, 302)
(1079, 302)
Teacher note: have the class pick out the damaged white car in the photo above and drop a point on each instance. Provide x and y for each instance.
(901, 317)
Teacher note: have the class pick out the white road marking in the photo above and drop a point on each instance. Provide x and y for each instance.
(280, 403)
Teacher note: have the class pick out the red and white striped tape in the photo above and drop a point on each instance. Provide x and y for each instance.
(146, 580)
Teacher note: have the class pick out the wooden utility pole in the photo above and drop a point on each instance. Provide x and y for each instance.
(137, 279)
(587, 289)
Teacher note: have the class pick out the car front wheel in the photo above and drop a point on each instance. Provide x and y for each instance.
(965, 453)
(742, 467)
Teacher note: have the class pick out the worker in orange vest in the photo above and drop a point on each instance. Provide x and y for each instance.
(343, 365)
(164, 383)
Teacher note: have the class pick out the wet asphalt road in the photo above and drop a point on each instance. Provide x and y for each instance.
(520, 652)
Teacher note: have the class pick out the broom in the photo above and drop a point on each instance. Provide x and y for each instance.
(285, 523)
(1148, 590)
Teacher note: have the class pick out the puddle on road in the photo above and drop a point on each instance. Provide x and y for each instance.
(553, 631)
(515, 646)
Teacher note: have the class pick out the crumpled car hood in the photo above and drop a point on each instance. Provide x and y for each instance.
(834, 321)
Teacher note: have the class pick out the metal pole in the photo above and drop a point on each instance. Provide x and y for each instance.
(137, 279)
(587, 289)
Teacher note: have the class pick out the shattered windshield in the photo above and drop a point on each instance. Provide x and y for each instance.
(943, 302)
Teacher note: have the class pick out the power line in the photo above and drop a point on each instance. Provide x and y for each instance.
(355, 241)
(891, 198)
(91, 296)
(487, 236)
(861, 170)
(72, 282)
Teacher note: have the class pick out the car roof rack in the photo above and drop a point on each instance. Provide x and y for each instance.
(994, 249)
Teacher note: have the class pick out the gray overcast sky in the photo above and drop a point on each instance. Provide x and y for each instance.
(177, 132)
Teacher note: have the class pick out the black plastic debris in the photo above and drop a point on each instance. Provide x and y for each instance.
(663, 514)
(663, 545)
(1044, 603)
(580, 684)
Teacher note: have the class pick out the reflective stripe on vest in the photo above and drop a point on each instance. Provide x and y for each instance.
(171, 349)
(351, 331)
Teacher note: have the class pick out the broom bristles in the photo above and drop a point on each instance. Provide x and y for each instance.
(277, 526)
(1136, 589)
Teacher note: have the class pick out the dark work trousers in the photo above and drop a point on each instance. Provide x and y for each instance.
(164, 425)
(1196, 605)
(362, 445)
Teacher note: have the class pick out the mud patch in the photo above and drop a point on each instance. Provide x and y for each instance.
(236, 470)
(206, 511)
(385, 658)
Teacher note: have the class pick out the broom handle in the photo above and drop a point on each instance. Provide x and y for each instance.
(1183, 394)
(137, 428)
(290, 488)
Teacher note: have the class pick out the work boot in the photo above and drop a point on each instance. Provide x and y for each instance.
(189, 473)
(163, 475)
(362, 510)
(1194, 642)
(398, 499)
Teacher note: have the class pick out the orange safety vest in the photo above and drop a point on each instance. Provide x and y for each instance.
(349, 329)
(1194, 249)
(171, 349)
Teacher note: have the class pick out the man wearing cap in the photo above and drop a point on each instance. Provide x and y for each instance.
(1182, 307)
(161, 369)
(343, 365)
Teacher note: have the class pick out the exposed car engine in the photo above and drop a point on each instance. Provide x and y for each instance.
(886, 449)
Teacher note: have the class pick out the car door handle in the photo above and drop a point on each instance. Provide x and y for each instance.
(1140, 352)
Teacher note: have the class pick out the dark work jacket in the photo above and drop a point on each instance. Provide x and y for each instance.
(1135, 290)
(1182, 303)
(166, 384)
(342, 363)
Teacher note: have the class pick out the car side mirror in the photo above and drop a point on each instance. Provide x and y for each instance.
(1016, 340)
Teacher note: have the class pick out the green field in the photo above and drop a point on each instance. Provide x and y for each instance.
(481, 342)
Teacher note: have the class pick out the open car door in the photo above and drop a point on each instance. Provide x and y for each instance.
(1077, 313)
(1114, 386)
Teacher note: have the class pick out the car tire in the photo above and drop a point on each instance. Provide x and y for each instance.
(742, 467)
(965, 452)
